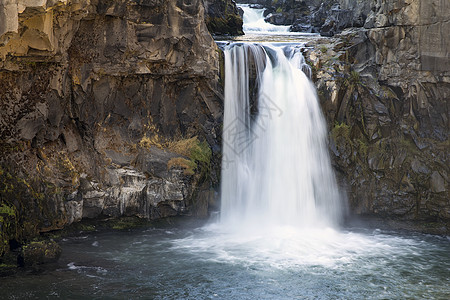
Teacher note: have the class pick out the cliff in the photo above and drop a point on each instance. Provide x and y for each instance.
(385, 91)
(223, 17)
(107, 108)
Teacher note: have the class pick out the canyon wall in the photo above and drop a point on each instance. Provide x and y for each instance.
(107, 108)
(385, 90)
(384, 86)
(223, 17)
(113, 108)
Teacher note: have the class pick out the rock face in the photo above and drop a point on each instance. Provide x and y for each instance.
(385, 91)
(107, 108)
(223, 17)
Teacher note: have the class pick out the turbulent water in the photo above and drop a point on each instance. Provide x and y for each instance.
(275, 168)
(202, 264)
(278, 236)
(254, 22)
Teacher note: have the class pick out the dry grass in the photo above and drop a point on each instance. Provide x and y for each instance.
(183, 147)
(187, 165)
(196, 154)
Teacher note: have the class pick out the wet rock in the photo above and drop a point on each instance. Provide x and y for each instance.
(397, 125)
(281, 18)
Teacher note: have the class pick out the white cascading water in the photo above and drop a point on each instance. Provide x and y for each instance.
(254, 21)
(276, 169)
(280, 202)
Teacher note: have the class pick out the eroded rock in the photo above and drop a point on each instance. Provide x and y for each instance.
(89, 92)
(380, 84)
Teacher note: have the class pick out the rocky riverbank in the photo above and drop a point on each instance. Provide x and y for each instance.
(108, 109)
(112, 109)
(385, 91)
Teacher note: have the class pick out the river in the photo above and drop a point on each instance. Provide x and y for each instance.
(202, 263)
(281, 233)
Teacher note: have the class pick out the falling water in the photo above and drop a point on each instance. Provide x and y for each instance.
(254, 21)
(279, 199)
(275, 169)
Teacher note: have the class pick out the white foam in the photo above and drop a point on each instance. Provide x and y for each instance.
(253, 19)
(276, 169)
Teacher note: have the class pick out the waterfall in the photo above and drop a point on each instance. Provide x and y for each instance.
(275, 169)
(254, 21)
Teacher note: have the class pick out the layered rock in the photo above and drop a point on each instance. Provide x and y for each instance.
(107, 108)
(223, 17)
(385, 92)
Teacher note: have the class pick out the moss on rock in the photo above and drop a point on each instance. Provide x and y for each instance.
(41, 252)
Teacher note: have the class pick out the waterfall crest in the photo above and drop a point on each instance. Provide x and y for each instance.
(275, 169)
(254, 21)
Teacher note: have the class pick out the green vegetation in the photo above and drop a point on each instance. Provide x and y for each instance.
(342, 130)
(358, 144)
(408, 145)
(66, 167)
(228, 24)
(127, 223)
(7, 210)
(7, 148)
(362, 147)
(355, 78)
(24, 209)
(388, 93)
(187, 165)
(8, 226)
(199, 155)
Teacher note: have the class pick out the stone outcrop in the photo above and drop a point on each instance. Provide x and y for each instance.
(223, 17)
(385, 91)
(107, 108)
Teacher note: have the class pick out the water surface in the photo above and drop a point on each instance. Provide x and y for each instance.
(210, 263)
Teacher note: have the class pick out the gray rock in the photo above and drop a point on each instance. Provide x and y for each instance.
(398, 123)
(419, 167)
(437, 183)
(154, 162)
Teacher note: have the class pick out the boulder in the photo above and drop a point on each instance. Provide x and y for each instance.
(36, 253)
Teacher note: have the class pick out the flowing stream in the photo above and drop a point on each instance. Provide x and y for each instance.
(254, 22)
(280, 233)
